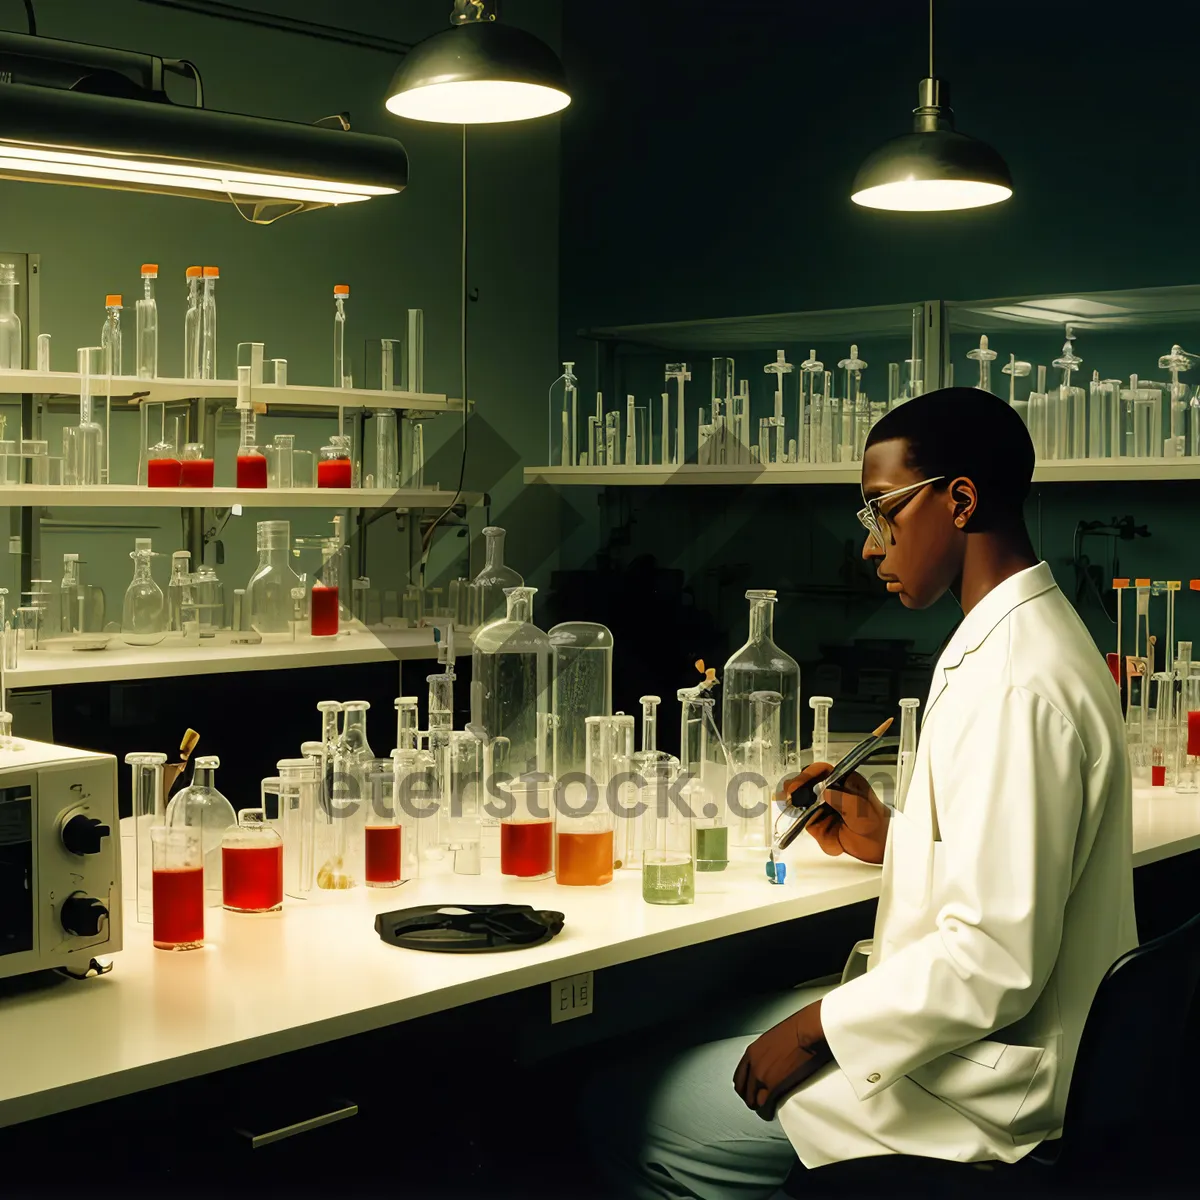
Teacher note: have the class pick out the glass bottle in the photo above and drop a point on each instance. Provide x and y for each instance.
(191, 324)
(252, 864)
(208, 324)
(341, 373)
(201, 806)
(69, 596)
(493, 580)
(12, 344)
(209, 592)
(143, 616)
(510, 688)
(181, 566)
(582, 687)
(333, 464)
(760, 666)
(269, 592)
(147, 325)
(110, 336)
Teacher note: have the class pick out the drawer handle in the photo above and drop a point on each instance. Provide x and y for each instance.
(259, 1140)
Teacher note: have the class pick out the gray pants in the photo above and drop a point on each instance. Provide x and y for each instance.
(670, 1125)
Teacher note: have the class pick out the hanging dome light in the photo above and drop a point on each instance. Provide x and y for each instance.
(934, 168)
(478, 73)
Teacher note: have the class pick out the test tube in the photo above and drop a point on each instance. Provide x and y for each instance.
(1163, 683)
(406, 722)
(1188, 778)
(149, 807)
(649, 723)
(820, 706)
(908, 748)
(414, 352)
(43, 352)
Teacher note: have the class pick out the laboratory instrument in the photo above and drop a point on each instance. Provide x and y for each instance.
(817, 433)
(252, 864)
(208, 324)
(196, 468)
(110, 336)
(146, 314)
(412, 453)
(510, 689)
(281, 459)
(907, 754)
(191, 324)
(584, 835)
(83, 444)
(582, 687)
(181, 565)
(1017, 370)
(143, 614)
(387, 449)
(462, 809)
(760, 665)
(251, 462)
(984, 356)
(1039, 417)
(778, 424)
(202, 807)
(30, 618)
(494, 578)
(1162, 684)
(346, 769)
(705, 764)
(341, 368)
(324, 605)
(269, 592)
(527, 831)
(208, 597)
(1071, 437)
(178, 889)
(680, 374)
(855, 409)
(1188, 778)
(1177, 362)
(820, 706)
(415, 780)
(564, 423)
(12, 343)
(668, 871)
(334, 464)
(300, 807)
(383, 835)
(413, 365)
(250, 354)
(70, 599)
(43, 352)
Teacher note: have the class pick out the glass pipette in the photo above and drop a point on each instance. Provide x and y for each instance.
(854, 406)
(1072, 414)
(681, 373)
(1178, 361)
(779, 368)
(984, 357)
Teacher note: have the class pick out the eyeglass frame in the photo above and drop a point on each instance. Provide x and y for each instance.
(870, 515)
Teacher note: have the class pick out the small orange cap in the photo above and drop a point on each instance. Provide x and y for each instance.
(341, 289)
(112, 301)
(149, 268)
(1120, 583)
(193, 272)
(1141, 583)
(1195, 585)
(212, 273)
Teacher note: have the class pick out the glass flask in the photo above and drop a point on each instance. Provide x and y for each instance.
(177, 887)
(383, 834)
(196, 468)
(583, 833)
(527, 831)
(333, 463)
(387, 449)
(705, 763)
(760, 666)
(341, 369)
(582, 687)
(143, 615)
(147, 325)
(494, 579)
(110, 337)
(415, 796)
(462, 802)
(191, 324)
(510, 686)
(208, 324)
(83, 444)
(298, 789)
(200, 806)
(349, 797)
(269, 592)
(181, 565)
(751, 819)
(12, 344)
(668, 871)
(148, 811)
(252, 864)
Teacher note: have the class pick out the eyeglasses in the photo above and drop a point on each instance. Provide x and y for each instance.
(875, 521)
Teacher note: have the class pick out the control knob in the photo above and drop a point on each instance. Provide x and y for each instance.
(82, 916)
(83, 835)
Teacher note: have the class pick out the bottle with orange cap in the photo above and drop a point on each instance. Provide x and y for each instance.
(147, 325)
(110, 336)
(208, 324)
(191, 324)
(341, 368)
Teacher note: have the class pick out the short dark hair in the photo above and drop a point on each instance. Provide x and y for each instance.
(965, 431)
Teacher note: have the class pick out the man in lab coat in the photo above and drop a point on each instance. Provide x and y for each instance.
(1007, 886)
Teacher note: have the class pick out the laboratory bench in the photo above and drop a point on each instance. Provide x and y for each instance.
(310, 998)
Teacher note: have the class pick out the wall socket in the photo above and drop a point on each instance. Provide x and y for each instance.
(571, 997)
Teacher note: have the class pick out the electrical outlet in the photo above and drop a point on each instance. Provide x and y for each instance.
(571, 997)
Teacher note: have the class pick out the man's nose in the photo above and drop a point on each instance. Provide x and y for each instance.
(871, 549)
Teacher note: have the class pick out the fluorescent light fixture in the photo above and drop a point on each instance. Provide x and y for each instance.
(478, 73)
(931, 195)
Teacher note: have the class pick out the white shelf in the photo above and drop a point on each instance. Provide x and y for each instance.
(171, 659)
(127, 496)
(1084, 471)
(66, 383)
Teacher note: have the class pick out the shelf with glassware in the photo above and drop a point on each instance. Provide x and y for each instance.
(803, 421)
(128, 496)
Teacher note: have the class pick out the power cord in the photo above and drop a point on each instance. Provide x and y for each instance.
(31, 18)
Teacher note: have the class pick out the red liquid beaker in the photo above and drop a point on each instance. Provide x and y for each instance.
(324, 622)
(252, 877)
(333, 473)
(177, 895)
(163, 472)
(383, 857)
(526, 848)
(197, 472)
(585, 859)
(251, 471)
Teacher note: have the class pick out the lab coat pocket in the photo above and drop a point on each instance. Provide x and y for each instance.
(985, 1081)
(911, 865)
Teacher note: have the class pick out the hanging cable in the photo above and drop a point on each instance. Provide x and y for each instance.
(930, 39)
(30, 18)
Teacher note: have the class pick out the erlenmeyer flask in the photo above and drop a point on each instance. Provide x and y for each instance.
(494, 579)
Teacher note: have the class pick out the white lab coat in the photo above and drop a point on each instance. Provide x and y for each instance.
(1007, 893)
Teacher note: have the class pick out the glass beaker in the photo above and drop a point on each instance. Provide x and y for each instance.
(494, 579)
(760, 666)
(196, 469)
(252, 864)
(383, 834)
(30, 617)
(416, 800)
(269, 592)
(324, 608)
(387, 449)
(36, 455)
(705, 762)
(177, 887)
(584, 832)
(201, 807)
(751, 821)
(582, 687)
(209, 595)
(333, 463)
(148, 811)
(143, 615)
(621, 798)
(527, 832)
(298, 788)
(668, 871)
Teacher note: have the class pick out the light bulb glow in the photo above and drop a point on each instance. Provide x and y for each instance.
(931, 195)
(478, 102)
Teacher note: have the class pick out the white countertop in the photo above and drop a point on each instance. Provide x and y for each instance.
(317, 971)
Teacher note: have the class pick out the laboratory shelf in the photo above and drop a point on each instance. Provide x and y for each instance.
(125, 387)
(129, 496)
(171, 659)
(1084, 471)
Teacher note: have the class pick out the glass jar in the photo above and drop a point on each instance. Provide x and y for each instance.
(200, 806)
(333, 463)
(269, 592)
(252, 864)
(163, 465)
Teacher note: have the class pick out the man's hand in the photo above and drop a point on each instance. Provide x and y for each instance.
(781, 1059)
(855, 822)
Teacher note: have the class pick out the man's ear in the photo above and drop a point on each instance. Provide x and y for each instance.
(964, 499)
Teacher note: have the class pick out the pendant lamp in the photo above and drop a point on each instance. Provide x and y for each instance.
(478, 72)
(934, 168)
